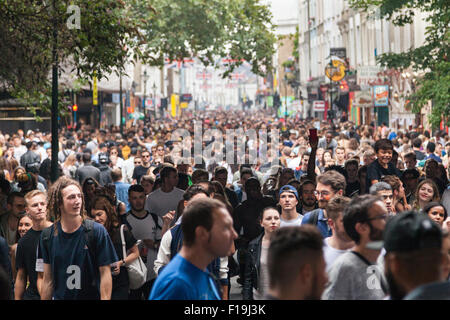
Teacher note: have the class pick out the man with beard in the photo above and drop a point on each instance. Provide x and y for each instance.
(308, 201)
(339, 243)
(355, 275)
(414, 258)
(296, 265)
(384, 191)
(329, 184)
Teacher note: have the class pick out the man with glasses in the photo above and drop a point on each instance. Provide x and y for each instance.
(141, 170)
(329, 184)
(384, 191)
(355, 274)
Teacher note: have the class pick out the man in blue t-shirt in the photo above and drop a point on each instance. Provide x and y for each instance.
(208, 233)
(77, 253)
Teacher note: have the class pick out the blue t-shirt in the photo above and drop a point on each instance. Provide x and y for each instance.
(75, 270)
(181, 280)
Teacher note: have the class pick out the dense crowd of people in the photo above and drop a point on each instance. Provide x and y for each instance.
(326, 210)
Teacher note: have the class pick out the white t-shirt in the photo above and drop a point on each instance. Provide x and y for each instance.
(160, 202)
(145, 229)
(291, 223)
(330, 254)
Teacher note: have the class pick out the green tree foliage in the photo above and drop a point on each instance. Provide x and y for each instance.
(113, 32)
(432, 58)
(99, 45)
(207, 29)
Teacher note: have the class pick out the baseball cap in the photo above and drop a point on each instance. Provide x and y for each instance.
(103, 158)
(410, 231)
(288, 188)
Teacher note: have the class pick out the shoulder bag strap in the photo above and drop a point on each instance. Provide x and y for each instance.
(123, 242)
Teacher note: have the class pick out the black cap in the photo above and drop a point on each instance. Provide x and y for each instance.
(103, 158)
(410, 231)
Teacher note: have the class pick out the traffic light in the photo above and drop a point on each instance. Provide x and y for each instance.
(74, 108)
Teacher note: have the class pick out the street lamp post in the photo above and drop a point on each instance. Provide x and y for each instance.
(154, 97)
(145, 77)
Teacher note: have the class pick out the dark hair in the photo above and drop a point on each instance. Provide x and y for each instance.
(334, 179)
(383, 144)
(351, 162)
(246, 171)
(199, 213)
(430, 205)
(12, 196)
(166, 170)
(431, 146)
(261, 216)
(357, 211)
(411, 155)
(183, 181)
(220, 170)
(86, 157)
(193, 190)
(135, 188)
(290, 249)
(305, 182)
(417, 142)
(199, 174)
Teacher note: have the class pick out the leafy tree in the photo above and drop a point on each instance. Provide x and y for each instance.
(431, 58)
(207, 29)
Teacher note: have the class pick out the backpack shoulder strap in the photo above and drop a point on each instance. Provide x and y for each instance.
(155, 219)
(89, 235)
(314, 217)
(47, 234)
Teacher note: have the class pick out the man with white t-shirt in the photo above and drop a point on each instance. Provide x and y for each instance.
(166, 198)
(147, 227)
(339, 242)
(288, 202)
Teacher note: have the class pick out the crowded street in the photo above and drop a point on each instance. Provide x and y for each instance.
(302, 155)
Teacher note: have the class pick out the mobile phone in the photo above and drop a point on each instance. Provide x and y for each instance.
(313, 135)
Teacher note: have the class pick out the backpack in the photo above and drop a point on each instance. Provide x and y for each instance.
(88, 224)
(314, 217)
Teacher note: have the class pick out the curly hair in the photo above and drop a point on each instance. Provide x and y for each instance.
(55, 199)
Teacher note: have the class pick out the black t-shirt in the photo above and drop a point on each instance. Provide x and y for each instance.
(139, 172)
(26, 259)
(375, 171)
(351, 188)
(247, 216)
(122, 278)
